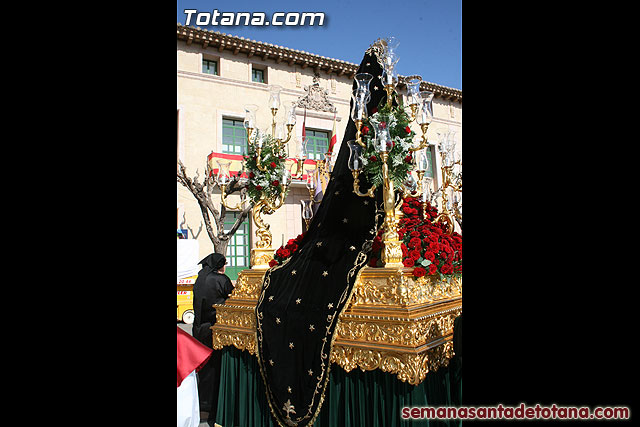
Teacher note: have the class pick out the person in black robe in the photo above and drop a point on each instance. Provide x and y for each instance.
(302, 298)
(212, 287)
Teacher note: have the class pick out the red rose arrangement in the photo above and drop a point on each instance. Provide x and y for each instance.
(425, 246)
(286, 251)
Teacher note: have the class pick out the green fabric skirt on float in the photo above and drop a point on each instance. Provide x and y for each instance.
(367, 399)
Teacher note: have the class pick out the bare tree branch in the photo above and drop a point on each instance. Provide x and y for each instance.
(203, 191)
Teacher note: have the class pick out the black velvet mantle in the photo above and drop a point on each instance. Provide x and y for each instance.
(301, 300)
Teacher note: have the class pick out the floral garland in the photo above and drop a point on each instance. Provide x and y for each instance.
(265, 184)
(400, 158)
(286, 251)
(425, 246)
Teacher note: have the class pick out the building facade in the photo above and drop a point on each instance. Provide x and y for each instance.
(218, 74)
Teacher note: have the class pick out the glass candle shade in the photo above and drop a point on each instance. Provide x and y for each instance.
(286, 177)
(250, 116)
(426, 189)
(358, 107)
(450, 143)
(389, 76)
(410, 183)
(301, 145)
(422, 161)
(391, 45)
(290, 114)
(274, 96)
(382, 141)
(223, 177)
(311, 179)
(413, 88)
(425, 108)
(307, 209)
(355, 156)
(363, 80)
(328, 161)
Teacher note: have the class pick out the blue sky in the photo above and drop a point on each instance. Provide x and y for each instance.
(429, 31)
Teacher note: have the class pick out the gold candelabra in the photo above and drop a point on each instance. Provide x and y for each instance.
(450, 183)
(268, 203)
(420, 103)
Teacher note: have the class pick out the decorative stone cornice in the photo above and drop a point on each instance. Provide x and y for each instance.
(240, 45)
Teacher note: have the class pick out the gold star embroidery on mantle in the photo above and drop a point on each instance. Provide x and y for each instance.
(325, 273)
(352, 248)
(288, 408)
(345, 220)
(291, 345)
(293, 272)
(298, 300)
(289, 389)
(319, 244)
(271, 298)
(330, 305)
(310, 372)
(278, 320)
(311, 328)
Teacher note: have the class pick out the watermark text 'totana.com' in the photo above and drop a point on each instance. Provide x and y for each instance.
(258, 19)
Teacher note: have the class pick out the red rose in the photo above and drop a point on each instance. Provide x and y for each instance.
(258, 187)
(415, 242)
(446, 269)
(273, 165)
(373, 158)
(408, 159)
(434, 247)
(383, 125)
(430, 256)
(415, 233)
(252, 175)
(407, 130)
(419, 272)
(406, 210)
(433, 269)
(283, 253)
(273, 263)
(408, 262)
(275, 183)
(415, 255)
(365, 130)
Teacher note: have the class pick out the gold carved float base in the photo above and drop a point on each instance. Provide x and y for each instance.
(393, 322)
(260, 258)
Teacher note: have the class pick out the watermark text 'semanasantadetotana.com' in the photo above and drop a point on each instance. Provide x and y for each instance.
(259, 19)
(521, 412)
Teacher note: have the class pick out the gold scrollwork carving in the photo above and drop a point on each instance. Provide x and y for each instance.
(408, 367)
(397, 332)
(240, 340)
(404, 290)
